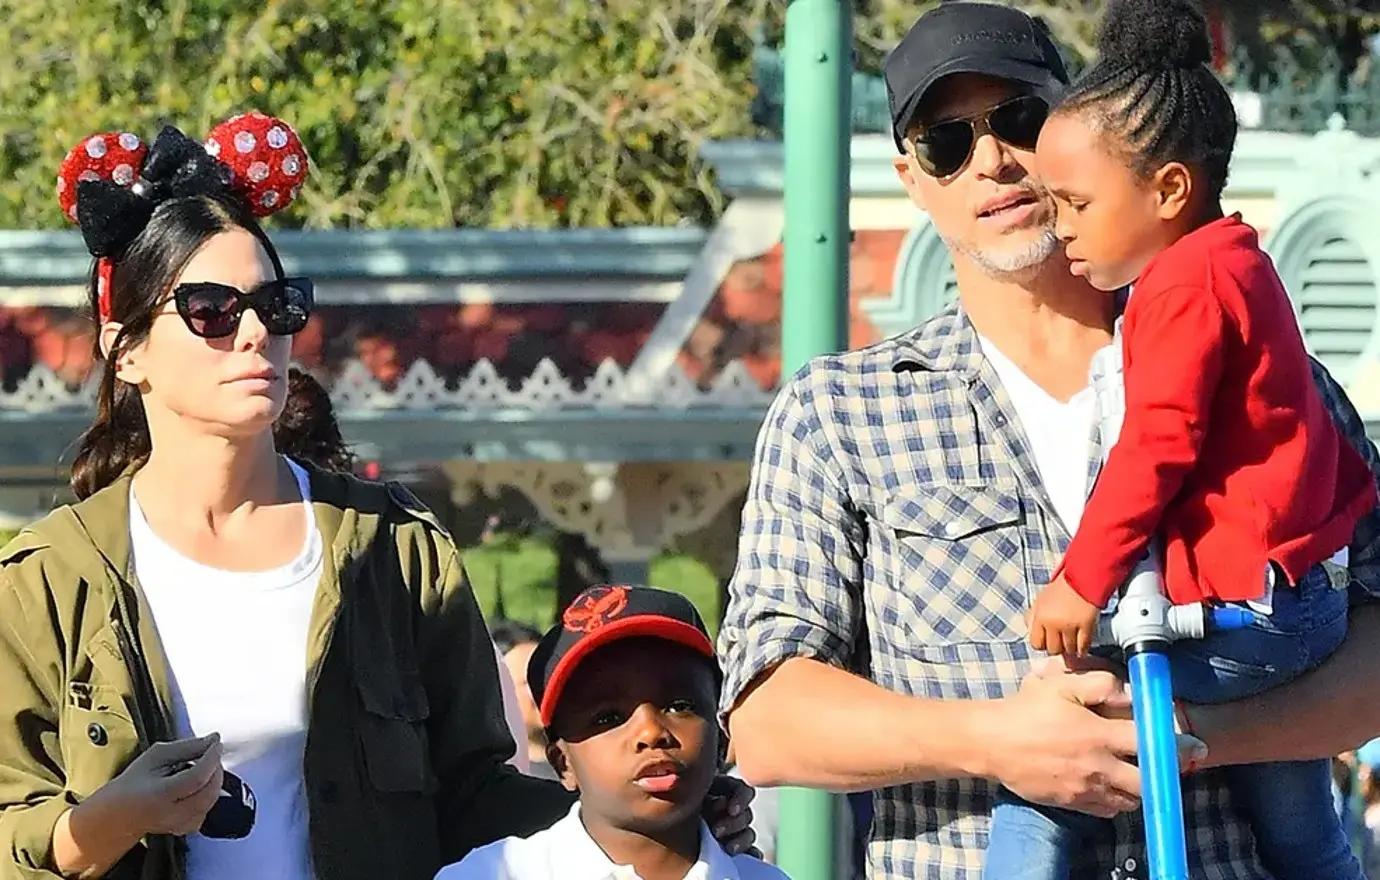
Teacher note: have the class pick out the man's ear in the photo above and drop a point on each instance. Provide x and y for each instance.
(908, 171)
(127, 365)
(1173, 189)
(560, 763)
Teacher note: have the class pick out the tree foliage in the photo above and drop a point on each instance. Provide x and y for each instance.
(1316, 30)
(418, 113)
(437, 113)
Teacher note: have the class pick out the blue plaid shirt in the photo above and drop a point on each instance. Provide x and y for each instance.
(896, 526)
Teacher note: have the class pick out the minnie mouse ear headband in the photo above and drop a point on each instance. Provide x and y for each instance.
(110, 183)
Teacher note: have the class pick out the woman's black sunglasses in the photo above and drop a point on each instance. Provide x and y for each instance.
(943, 149)
(212, 311)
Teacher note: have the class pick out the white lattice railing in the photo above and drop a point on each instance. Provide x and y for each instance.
(421, 388)
(42, 390)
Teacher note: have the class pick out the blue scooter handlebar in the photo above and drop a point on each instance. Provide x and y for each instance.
(1152, 699)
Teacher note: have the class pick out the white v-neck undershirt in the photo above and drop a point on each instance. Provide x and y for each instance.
(1059, 431)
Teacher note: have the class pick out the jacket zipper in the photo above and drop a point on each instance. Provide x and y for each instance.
(135, 660)
(146, 700)
(133, 664)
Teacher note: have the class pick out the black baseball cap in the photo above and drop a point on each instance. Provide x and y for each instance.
(963, 36)
(605, 614)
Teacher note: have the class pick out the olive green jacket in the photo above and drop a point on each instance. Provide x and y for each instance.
(406, 742)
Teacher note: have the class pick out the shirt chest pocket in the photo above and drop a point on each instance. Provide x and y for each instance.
(955, 558)
(393, 728)
(96, 735)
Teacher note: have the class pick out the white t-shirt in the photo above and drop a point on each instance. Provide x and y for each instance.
(1060, 434)
(565, 851)
(236, 644)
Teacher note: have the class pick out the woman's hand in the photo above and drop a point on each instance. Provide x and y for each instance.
(171, 787)
(728, 813)
(168, 789)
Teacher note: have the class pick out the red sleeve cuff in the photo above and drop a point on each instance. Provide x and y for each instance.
(1086, 583)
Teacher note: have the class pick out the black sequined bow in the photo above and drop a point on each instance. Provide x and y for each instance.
(110, 215)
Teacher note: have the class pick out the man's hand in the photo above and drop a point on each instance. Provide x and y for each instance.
(1054, 749)
(1062, 621)
(728, 812)
(1117, 707)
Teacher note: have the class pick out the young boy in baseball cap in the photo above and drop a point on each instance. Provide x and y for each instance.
(626, 685)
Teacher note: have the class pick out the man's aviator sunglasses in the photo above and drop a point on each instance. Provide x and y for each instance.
(944, 148)
(212, 311)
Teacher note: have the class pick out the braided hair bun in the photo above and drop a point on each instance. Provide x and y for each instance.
(1155, 34)
(1153, 92)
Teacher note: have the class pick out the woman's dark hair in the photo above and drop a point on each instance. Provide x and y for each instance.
(307, 429)
(143, 276)
(1153, 89)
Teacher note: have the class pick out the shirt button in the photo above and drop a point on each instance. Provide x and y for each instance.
(97, 734)
(951, 528)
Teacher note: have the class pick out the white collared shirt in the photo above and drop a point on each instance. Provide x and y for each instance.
(565, 851)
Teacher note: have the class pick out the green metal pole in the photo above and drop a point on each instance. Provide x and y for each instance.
(817, 131)
(819, 45)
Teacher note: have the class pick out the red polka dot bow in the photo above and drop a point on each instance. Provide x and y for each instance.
(110, 183)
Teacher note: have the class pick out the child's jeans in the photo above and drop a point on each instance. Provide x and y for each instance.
(1289, 804)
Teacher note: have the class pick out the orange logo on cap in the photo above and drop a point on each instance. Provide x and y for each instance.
(594, 608)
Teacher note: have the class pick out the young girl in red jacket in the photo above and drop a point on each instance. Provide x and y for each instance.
(1227, 454)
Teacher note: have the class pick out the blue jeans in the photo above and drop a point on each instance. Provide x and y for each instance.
(1289, 804)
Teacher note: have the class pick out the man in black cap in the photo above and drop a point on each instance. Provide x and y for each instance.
(964, 71)
(909, 499)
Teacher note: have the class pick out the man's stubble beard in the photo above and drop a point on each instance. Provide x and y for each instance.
(1005, 262)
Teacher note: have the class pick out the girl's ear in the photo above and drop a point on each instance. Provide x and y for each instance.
(1174, 190)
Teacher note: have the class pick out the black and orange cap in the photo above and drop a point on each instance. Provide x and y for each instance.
(605, 614)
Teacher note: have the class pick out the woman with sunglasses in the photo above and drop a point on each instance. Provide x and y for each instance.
(220, 662)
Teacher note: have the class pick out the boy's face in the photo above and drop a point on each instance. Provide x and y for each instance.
(635, 734)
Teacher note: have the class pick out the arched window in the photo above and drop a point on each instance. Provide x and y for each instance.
(1329, 258)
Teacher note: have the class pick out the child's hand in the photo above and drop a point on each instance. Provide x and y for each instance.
(1062, 622)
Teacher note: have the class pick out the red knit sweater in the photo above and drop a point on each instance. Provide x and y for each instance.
(1227, 451)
